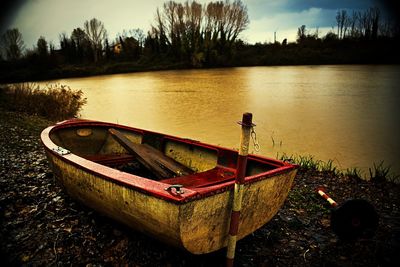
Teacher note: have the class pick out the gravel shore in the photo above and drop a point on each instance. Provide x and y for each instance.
(42, 226)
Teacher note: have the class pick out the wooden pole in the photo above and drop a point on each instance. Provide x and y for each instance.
(239, 186)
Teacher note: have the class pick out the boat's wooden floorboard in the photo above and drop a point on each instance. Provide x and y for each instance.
(153, 159)
(110, 160)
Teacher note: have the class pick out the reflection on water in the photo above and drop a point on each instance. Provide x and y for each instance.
(345, 113)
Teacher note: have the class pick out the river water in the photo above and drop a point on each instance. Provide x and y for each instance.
(346, 113)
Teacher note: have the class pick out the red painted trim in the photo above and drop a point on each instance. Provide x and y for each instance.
(234, 226)
(155, 188)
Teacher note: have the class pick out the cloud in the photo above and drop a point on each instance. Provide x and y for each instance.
(49, 18)
(261, 8)
(287, 23)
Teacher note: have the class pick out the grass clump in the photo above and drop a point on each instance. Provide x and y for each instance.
(353, 173)
(328, 166)
(309, 163)
(378, 173)
(54, 102)
(382, 173)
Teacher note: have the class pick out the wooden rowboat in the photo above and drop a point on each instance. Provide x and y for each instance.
(182, 197)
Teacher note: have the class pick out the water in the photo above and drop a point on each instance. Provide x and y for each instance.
(349, 114)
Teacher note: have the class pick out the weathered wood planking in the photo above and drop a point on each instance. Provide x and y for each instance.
(153, 159)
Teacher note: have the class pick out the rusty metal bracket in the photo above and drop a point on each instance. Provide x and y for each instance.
(61, 151)
(178, 188)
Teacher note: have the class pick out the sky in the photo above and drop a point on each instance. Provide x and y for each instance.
(50, 18)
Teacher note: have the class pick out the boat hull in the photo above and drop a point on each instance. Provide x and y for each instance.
(197, 222)
(204, 223)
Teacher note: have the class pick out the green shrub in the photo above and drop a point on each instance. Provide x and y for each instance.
(55, 102)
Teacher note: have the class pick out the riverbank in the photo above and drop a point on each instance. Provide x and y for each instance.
(17, 74)
(42, 225)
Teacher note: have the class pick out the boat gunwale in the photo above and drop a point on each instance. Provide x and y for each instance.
(143, 184)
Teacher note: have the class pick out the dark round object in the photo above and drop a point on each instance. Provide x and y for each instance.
(355, 218)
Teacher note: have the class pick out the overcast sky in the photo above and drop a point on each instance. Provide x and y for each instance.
(49, 18)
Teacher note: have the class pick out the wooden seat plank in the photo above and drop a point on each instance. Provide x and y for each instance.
(152, 158)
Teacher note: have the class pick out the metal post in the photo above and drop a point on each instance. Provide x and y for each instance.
(239, 186)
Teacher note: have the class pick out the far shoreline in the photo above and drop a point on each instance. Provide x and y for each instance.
(68, 72)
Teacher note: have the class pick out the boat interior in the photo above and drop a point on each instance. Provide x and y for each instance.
(156, 156)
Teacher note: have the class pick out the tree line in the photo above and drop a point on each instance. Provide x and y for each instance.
(367, 25)
(194, 34)
(186, 31)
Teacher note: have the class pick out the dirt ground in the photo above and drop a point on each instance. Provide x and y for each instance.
(40, 225)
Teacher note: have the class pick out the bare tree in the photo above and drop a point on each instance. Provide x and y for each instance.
(225, 20)
(169, 18)
(301, 33)
(96, 34)
(42, 47)
(79, 36)
(190, 22)
(197, 33)
(82, 45)
(341, 20)
(354, 32)
(366, 24)
(12, 44)
(190, 28)
(138, 35)
(237, 19)
(375, 17)
(214, 20)
(160, 31)
(179, 27)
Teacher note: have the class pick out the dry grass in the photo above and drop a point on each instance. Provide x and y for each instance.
(54, 102)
